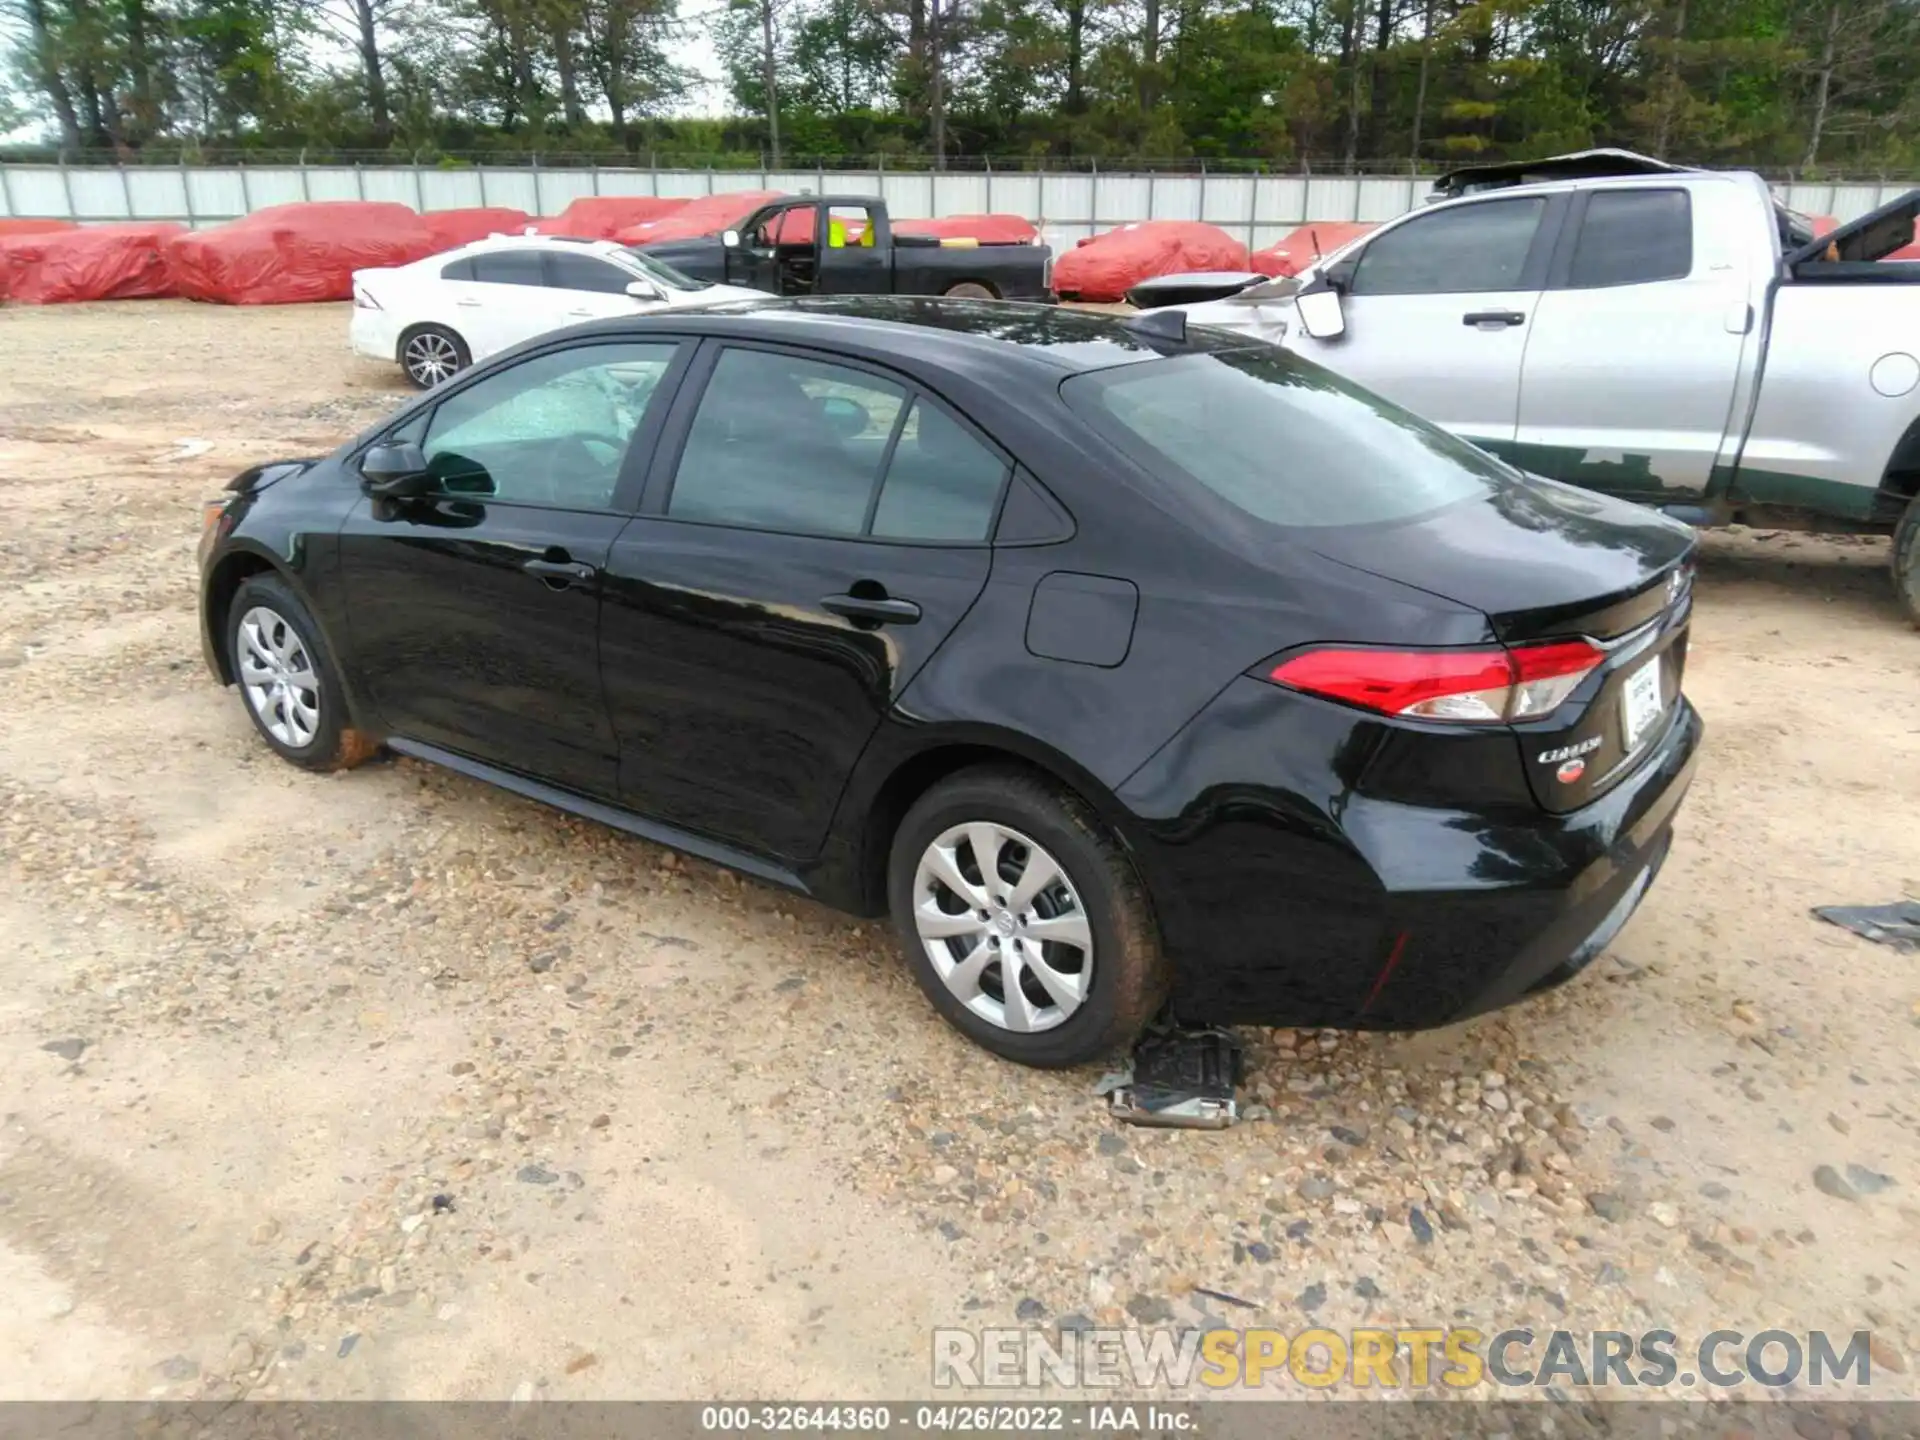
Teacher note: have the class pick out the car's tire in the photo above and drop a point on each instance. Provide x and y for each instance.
(971, 290)
(1116, 981)
(287, 680)
(1906, 560)
(430, 354)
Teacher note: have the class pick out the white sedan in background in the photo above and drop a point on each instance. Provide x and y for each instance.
(439, 315)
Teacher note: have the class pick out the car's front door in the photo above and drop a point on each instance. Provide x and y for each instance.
(755, 261)
(589, 288)
(1438, 310)
(812, 532)
(474, 612)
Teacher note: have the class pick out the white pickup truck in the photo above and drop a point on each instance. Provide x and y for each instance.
(1666, 335)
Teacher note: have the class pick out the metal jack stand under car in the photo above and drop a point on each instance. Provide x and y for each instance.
(1179, 1077)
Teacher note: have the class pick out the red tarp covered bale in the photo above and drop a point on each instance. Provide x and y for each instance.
(1104, 267)
(708, 215)
(1297, 251)
(987, 229)
(453, 228)
(99, 262)
(290, 254)
(34, 227)
(601, 217)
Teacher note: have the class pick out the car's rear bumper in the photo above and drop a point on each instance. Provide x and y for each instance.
(372, 333)
(1284, 900)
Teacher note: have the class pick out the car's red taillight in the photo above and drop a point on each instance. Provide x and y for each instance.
(1475, 687)
(362, 300)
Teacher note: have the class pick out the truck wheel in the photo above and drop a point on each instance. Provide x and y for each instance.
(1906, 560)
(970, 290)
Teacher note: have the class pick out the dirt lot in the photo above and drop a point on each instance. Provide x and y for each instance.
(700, 1138)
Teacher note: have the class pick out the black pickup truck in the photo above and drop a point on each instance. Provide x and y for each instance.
(844, 245)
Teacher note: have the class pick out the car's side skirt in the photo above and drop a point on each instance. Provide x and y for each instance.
(668, 835)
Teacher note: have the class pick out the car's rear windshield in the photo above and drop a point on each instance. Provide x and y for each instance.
(1280, 438)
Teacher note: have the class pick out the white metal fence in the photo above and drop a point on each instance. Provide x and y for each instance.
(1256, 208)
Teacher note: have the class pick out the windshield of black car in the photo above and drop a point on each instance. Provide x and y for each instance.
(664, 274)
(1280, 438)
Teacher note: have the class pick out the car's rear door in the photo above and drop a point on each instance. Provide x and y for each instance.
(474, 611)
(1638, 343)
(1439, 309)
(813, 530)
(856, 252)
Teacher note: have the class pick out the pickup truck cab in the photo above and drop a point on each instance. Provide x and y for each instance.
(845, 245)
(1670, 336)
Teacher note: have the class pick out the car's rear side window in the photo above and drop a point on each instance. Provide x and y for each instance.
(1630, 237)
(785, 443)
(1280, 438)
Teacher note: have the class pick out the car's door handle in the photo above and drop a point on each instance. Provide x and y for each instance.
(881, 611)
(468, 304)
(580, 312)
(560, 573)
(1493, 317)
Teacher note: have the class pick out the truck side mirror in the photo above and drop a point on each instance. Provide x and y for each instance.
(730, 239)
(1318, 306)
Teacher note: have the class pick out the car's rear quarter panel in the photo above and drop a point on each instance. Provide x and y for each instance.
(1822, 435)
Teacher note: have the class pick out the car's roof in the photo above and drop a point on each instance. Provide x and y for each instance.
(937, 331)
(524, 241)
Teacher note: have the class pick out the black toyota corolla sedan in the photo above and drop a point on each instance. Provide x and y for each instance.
(1121, 668)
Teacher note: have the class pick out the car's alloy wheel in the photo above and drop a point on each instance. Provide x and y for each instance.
(278, 675)
(1023, 918)
(430, 357)
(1003, 927)
(292, 691)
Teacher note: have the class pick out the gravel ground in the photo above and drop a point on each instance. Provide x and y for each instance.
(388, 1084)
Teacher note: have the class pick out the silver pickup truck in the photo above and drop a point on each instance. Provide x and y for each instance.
(1670, 336)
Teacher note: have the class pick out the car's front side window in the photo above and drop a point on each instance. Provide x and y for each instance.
(1463, 250)
(552, 430)
(584, 272)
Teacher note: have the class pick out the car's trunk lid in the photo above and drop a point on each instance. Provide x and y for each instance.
(1544, 562)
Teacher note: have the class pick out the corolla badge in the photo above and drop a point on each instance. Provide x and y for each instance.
(1570, 752)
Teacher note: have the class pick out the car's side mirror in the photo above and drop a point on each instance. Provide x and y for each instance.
(730, 239)
(1318, 306)
(396, 472)
(644, 290)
